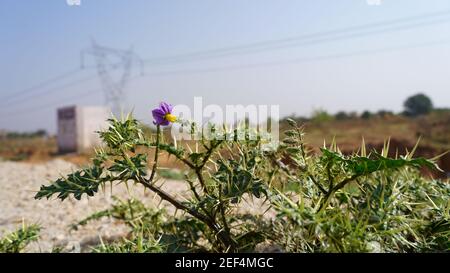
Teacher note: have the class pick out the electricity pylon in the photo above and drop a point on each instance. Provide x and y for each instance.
(109, 61)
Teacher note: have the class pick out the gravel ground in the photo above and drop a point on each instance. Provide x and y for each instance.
(19, 183)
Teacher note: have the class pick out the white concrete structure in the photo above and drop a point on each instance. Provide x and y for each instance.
(77, 126)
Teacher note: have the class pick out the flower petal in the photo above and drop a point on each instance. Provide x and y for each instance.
(158, 116)
(167, 108)
(164, 123)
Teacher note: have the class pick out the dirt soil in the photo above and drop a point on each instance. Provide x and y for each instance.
(20, 181)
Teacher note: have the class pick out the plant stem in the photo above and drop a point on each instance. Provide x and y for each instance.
(199, 174)
(167, 197)
(155, 164)
(224, 237)
(222, 211)
(332, 191)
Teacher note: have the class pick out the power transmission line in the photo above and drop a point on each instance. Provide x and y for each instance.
(35, 108)
(45, 83)
(18, 100)
(245, 49)
(240, 67)
(311, 42)
(41, 84)
(45, 106)
(312, 38)
(294, 61)
(266, 45)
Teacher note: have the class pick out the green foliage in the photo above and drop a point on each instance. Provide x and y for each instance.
(366, 115)
(354, 166)
(16, 241)
(417, 105)
(325, 202)
(320, 115)
(146, 224)
(137, 245)
(122, 134)
(379, 214)
(86, 181)
(384, 113)
(235, 180)
(130, 167)
(132, 212)
(360, 203)
(172, 174)
(341, 115)
(19, 135)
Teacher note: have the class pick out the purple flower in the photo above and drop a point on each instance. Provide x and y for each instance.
(163, 114)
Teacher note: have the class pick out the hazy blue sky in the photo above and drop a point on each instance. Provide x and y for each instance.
(42, 39)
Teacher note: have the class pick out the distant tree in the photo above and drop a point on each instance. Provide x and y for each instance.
(41, 133)
(15, 135)
(385, 113)
(320, 115)
(341, 115)
(419, 104)
(441, 110)
(353, 115)
(366, 115)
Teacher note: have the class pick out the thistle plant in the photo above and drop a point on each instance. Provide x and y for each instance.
(365, 202)
(326, 202)
(18, 240)
(212, 192)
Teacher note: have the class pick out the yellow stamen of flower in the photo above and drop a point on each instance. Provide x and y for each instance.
(170, 117)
